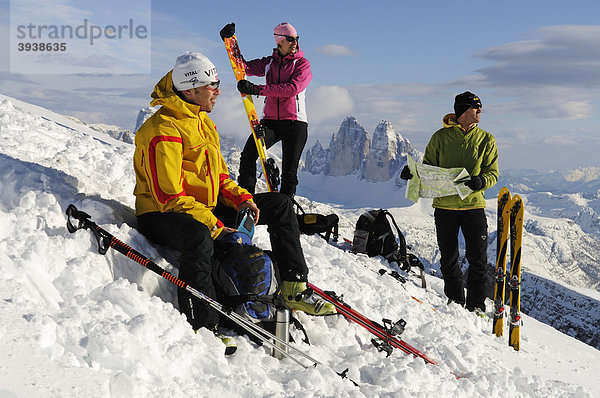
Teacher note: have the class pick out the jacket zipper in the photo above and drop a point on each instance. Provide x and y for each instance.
(279, 81)
(209, 175)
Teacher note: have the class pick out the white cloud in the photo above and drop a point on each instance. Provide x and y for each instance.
(335, 50)
(555, 75)
(560, 140)
(561, 55)
(229, 114)
(328, 103)
(564, 55)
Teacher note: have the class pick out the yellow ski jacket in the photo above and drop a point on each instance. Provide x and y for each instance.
(178, 162)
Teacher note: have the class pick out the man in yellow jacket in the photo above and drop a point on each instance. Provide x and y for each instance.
(186, 200)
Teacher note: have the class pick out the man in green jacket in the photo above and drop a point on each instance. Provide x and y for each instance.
(461, 143)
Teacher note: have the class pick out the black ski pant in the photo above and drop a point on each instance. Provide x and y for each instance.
(293, 135)
(473, 225)
(193, 241)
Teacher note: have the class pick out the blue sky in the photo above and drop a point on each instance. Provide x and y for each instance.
(535, 64)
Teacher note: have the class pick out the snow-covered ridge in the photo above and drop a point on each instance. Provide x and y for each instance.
(63, 121)
(75, 323)
(115, 132)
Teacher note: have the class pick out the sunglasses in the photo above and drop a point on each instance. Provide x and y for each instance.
(213, 85)
(291, 39)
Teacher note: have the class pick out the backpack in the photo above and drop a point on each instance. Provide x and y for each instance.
(245, 278)
(374, 236)
(314, 223)
(247, 281)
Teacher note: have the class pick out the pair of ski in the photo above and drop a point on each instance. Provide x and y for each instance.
(510, 225)
(386, 335)
(269, 167)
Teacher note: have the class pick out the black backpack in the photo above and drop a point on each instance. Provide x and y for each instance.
(241, 272)
(374, 236)
(313, 223)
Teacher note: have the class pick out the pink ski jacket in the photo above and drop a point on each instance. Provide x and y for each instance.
(287, 78)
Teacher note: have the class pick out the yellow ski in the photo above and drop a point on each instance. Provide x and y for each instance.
(516, 235)
(269, 168)
(501, 251)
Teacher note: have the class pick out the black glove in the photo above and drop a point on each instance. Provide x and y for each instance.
(259, 130)
(406, 174)
(227, 31)
(475, 183)
(246, 87)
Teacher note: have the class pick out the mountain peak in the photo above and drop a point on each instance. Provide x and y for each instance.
(351, 151)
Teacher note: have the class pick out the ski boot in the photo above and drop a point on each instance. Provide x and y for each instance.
(299, 297)
(230, 344)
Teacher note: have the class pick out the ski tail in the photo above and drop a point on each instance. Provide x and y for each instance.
(501, 252)
(386, 335)
(516, 235)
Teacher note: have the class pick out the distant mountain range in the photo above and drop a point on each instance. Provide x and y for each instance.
(353, 151)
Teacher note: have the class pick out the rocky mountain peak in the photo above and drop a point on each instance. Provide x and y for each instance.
(347, 149)
(351, 151)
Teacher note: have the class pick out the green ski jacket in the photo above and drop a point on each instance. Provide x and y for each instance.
(475, 150)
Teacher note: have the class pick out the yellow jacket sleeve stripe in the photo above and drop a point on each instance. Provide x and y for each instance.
(159, 194)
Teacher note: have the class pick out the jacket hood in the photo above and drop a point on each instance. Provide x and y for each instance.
(164, 95)
(450, 121)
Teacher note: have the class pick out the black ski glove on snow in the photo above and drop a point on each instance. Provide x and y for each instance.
(246, 87)
(475, 183)
(227, 31)
(406, 174)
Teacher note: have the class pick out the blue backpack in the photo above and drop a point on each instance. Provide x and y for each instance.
(244, 277)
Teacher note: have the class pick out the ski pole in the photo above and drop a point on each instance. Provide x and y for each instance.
(106, 240)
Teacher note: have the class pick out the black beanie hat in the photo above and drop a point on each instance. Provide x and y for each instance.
(464, 101)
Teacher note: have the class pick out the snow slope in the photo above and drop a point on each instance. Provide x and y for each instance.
(78, 324)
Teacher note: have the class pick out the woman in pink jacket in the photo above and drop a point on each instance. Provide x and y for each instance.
(287, 75)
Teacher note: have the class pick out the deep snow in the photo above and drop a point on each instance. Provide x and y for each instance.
(78, 324)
